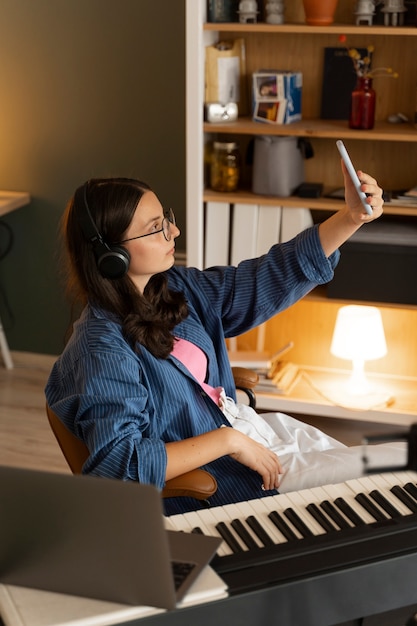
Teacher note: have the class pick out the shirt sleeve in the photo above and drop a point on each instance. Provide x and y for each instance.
(257, 289)
(104, 403)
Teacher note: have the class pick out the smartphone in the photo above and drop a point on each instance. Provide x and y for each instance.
(352, 172)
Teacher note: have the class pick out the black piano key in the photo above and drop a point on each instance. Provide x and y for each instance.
(369, 506)
(385, 504)
(404, 497)
(228, 537)
(332, 512)
(197, 531)
(259, 531)
(245, 536)
(319, 516)
(296, 520)
(282, 526)
(411, 488)
(349, 512)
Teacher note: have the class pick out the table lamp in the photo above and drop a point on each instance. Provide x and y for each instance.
(358, 336)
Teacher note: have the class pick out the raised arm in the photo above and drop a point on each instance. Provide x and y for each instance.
(342, 225)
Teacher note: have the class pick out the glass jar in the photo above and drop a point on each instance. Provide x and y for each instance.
(225, 167)
(362, 105)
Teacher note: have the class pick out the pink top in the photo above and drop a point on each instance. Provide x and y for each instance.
(195, 361)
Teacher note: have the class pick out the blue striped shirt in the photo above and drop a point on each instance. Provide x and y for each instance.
(125, 405)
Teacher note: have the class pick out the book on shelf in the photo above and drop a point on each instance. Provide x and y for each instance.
(244, 232)
(269, 227)
(339, 80)
(217, 233)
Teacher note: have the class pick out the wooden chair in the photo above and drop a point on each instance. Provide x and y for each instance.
(197, 483)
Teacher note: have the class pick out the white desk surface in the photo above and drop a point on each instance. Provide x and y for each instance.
(11, 200)
(312, 393)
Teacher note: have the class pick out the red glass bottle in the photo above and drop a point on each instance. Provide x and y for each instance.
(362, 105)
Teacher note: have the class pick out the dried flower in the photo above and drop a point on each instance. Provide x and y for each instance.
(363, 64)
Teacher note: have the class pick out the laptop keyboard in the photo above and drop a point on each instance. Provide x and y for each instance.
(181, 570)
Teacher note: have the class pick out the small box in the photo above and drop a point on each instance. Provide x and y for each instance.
(276, 96)
(377, 264)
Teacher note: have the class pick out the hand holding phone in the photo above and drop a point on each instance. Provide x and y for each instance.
(352, 173)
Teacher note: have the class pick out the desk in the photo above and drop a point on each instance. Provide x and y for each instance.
(10, 201)
(308, 396)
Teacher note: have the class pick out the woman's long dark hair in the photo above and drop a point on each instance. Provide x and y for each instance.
(147, 318)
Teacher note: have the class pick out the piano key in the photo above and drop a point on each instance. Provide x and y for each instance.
(319, 496)
(385, 504)
(282, 525)
(342, 495)
(259, 530)
(411, 489)
(189, 521)
(228, 537)
(315, 496)
(338, 518)
(321, 518)
(384, 483)
(210, 518)
(242, 511)
(260, 510)
(298, 522)
(370, 506)
(403, 495)
(299, 501)
(244, 534)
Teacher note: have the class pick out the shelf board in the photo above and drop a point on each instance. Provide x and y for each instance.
(322, 203)
(330, 129)
(305, 29)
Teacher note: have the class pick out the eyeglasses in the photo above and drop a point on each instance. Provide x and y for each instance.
(168, 220)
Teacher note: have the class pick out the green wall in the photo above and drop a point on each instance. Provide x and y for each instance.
(87, 88)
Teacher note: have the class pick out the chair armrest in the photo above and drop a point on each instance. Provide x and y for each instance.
(195, 484)
(245, 378)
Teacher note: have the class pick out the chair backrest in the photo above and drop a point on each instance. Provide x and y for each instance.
(196, 484)
(74, 450)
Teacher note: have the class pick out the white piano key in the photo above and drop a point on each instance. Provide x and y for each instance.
(341, 490)
(234, 512)
(208, 521)
(316, 495)
(220, 514)
(299, 505)
(258, 509)
(274, 503)
(383, 485)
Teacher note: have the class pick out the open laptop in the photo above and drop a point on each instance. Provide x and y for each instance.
(94, 537)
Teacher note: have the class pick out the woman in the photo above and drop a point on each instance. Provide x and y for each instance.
(145, 379)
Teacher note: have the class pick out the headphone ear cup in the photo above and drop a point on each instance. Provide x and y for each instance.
(113, 261)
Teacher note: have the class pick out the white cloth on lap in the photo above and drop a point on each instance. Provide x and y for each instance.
(309, 457)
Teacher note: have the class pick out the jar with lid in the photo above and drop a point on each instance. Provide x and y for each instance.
(225, 166)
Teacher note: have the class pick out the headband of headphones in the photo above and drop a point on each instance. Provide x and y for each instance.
(112, 260)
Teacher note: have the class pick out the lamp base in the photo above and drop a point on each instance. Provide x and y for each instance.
(340, 395)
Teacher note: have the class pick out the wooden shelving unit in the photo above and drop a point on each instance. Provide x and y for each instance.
(389, 151)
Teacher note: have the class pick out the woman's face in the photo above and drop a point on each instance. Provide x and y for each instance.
(149, 255)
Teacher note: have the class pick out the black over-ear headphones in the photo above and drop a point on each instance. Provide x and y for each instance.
(112, 260)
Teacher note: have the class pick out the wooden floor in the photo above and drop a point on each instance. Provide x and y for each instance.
(26, 439)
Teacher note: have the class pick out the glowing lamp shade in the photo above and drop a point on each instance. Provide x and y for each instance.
(358, 336)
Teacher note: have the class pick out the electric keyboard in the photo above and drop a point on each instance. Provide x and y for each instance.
(338, 556)
(326, 539)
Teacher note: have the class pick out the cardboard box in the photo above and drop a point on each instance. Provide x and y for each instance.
(276, 96)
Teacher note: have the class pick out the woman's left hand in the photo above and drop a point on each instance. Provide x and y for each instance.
(372, 190)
